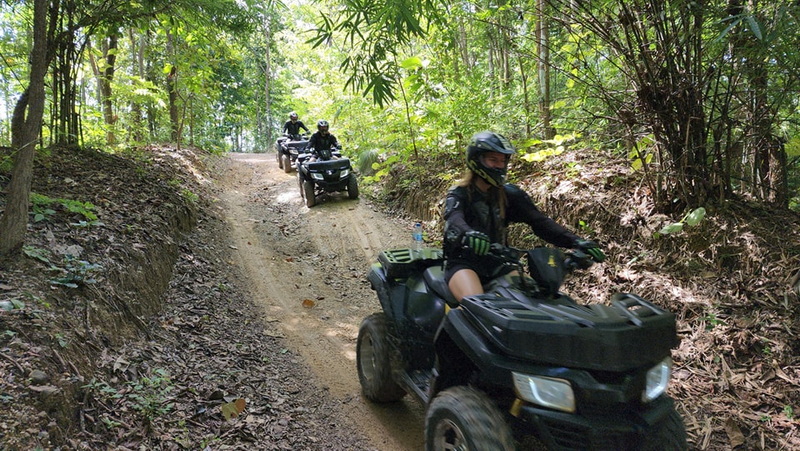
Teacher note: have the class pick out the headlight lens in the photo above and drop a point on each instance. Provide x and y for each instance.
(344, 173)
(317, 176)
(657, 380)
(545, 391)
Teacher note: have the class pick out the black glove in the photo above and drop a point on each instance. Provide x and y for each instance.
(592, 249)
(478, 242)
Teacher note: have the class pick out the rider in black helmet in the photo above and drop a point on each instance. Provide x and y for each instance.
(478, 211)
(322, 140)
(293, 125)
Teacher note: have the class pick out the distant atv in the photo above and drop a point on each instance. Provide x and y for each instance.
(287, 148)
(523, 365)
(328, 174)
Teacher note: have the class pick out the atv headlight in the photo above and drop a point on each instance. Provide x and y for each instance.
(318, 176)
(657, 380)
(345, 173)
(545, 391)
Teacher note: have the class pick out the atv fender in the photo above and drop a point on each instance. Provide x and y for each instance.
(462, 351)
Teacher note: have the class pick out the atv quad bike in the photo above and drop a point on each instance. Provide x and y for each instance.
(287, 148)
(522, 366)
(328, 174)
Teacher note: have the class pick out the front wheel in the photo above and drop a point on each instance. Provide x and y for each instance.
(286, 164)
(308, 193)
(374, 360)
(465, 418)
(280, 160)
(352, 187)
(670, 435)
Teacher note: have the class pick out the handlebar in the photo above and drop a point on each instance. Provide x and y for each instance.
(571, 259)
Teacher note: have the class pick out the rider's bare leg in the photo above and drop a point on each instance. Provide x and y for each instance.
(465, 282)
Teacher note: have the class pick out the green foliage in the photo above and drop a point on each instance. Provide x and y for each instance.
(149, 395)
(552, 147)
(37, 253)
(77, 273)
(407, 82)
(41, 207)
(691, 219)
(712, 320)
(190, 196)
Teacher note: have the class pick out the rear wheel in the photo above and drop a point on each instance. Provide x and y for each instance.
(465, 418)
(352, 187)
(374, 360)
(287, 164)
(308, 194)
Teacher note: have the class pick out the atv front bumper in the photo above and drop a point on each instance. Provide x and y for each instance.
(617, 430)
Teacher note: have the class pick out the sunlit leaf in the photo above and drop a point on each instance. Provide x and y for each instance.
(411, 63)
(542, 154)
(695, 216)
(672, 228)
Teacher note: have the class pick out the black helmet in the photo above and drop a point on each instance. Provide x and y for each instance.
(488, 142)
(292, 115)
(322, 125)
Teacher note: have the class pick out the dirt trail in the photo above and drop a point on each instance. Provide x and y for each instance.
(295, 257)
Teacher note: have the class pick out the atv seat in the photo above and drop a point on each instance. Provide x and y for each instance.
(434, 278)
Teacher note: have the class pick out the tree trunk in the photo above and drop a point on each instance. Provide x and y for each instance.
(104, 81)
(543, 51)
(26, 125)
(137, 58)
(172, 90)
(268, 80)
(65, 121)
(523, 76)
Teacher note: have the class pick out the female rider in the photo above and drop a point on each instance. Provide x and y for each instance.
(478, 211)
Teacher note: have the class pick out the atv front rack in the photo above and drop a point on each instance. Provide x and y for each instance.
(629, 333)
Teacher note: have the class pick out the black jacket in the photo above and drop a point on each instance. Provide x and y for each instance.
(319, 142)
(468, 208)
(293, 128)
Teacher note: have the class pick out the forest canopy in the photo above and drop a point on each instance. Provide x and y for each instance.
(699, 97)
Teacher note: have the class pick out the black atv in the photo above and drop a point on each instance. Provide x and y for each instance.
(522, 366)
(329, 173)
(287, 148)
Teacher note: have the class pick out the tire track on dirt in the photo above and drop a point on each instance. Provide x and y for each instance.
(293, 254)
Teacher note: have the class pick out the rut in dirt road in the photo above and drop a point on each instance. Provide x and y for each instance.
(307, 268)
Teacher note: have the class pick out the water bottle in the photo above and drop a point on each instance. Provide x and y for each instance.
(416, 235)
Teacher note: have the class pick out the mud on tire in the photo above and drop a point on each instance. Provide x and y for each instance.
(308, 194)
(374, 360)
(352, 187)
(465, 418)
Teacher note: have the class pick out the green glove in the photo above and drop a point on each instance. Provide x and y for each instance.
(592, 249)
(478, 242)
